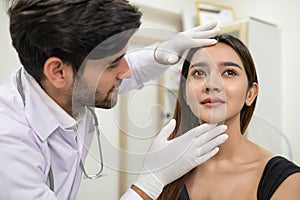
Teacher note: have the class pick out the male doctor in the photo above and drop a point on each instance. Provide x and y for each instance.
(72, 53)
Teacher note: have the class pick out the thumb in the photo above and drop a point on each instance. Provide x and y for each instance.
(167, 130)
(173, 59)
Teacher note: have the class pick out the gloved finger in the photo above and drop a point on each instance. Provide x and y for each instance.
(203, 158)
(204, 34)
(167, 130)
(211, 130)
(172, 59)
(210, 145)
(204, 42)
(205, 137)
(197, 131)
(205, 27)
(169, 58)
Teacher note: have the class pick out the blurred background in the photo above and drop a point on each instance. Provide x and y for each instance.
(269, 28)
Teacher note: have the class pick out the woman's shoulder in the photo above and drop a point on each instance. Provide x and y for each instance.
(281, 164)
(289, 189)
(280, 179)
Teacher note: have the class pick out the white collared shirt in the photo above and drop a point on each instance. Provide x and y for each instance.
(44, 136)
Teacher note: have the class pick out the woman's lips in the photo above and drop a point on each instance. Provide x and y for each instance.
(212, 102)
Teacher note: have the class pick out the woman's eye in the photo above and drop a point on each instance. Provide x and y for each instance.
(198, 73)
(230, 73)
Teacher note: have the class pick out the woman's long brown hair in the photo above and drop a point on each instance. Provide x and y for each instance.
(185, 118)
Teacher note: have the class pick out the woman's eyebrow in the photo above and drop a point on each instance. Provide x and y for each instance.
(228, 63)
(200, 64)
(225, 64)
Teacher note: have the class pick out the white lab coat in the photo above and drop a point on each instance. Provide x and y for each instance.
(33, 137)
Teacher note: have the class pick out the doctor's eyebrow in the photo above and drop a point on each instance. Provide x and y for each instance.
(117, 59)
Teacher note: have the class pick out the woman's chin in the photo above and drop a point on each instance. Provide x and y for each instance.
(212, 121)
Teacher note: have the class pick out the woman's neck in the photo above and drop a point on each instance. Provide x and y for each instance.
(235, 147)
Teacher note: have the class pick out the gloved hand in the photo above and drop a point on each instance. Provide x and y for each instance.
(168, 160)
(169, 52)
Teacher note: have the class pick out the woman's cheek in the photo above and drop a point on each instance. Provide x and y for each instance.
(192, 98)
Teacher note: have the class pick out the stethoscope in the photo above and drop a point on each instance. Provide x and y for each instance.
(50, 174)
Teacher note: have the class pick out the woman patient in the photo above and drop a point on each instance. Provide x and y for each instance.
(219, 85)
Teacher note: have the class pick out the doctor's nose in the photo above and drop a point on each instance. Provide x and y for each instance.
(123, 70)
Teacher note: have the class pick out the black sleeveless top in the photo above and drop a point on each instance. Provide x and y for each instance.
(276, 171)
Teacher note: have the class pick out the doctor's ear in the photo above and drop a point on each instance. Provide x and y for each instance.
(57, 72)
(251, 94)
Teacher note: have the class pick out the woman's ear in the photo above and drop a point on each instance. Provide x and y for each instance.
(56, 72)
(251, 94)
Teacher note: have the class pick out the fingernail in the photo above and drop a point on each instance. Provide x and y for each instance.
(224, 137)
(223, 128)
(173, 59)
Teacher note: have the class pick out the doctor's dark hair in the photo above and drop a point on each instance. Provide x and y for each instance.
(185, 118)
(69, 30)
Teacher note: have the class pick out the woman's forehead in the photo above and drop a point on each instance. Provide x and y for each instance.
(217, 53)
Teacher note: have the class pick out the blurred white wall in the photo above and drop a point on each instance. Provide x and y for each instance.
(8, 56)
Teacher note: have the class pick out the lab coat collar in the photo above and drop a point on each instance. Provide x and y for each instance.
(44, 115)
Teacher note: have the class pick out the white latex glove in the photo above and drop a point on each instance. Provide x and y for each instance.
(168, 160)
(169, 52)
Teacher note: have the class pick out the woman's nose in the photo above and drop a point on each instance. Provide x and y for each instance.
(213, 83)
